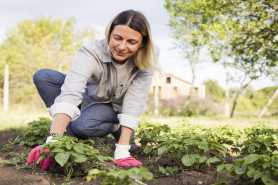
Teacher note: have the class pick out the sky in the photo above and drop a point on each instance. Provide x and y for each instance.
(96, 14)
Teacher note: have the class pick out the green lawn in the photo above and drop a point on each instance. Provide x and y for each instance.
(213, 121)
(20, 116)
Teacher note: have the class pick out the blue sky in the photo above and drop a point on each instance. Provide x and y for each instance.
(97, 14)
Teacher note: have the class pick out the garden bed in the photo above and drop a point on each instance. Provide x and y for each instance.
(15, 175)
(189, 155)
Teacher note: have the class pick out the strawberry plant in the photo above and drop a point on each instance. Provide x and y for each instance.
(71, 153)
(151, 136)
(229, 137)
(187, 147)
(260, 140)
(258, 159)
(257, 168)
(35, 133)
(133, 176)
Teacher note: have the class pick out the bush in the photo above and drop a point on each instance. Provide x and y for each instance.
(183, 106)
(214, 90)
(35, 133)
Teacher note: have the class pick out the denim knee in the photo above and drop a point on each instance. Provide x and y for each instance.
(97, 129)
(40, 75)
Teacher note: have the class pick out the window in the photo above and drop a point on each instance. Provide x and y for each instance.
(168, 80)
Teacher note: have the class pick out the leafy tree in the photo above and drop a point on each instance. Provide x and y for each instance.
(214, 90)
(35, 44)
(243, 31)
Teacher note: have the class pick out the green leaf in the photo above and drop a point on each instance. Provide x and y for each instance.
(267, 180)
(78, 148)
(162, 150)
(239, 170)
(249, 159)
(189, 160)
(225, 167)
(103, 158)
(79, 158)
(68, 146)
(202, 159)
(92, 174)
(57, 150)
(274, 161)
(148, 150)
(220, 167)
(62, 158)
(253, 173)
(213, 160)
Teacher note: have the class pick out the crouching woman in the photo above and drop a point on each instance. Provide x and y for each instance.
(107, 87)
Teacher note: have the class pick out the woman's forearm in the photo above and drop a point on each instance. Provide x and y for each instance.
(125, 135)
(59, 123)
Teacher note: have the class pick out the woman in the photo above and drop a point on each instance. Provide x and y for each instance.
(107, 87)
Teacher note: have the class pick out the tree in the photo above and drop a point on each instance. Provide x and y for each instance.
(215, 90)
(269, 102)
(245, 31)
(35, 44)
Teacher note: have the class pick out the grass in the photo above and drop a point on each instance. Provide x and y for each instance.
(237, 122)
(18, 116)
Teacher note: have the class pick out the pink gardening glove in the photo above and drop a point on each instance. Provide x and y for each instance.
(122, 157)
(34, 156)
(127, 162)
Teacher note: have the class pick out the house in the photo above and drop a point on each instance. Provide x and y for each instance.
(169, 86)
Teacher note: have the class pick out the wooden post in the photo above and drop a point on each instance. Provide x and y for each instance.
(6, 89)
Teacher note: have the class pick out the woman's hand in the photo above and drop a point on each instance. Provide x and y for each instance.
(122, 157)
(35, 154)
(59, 124)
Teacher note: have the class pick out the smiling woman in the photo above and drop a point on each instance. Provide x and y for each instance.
(134, 31)
(124, 42)
(106, 89)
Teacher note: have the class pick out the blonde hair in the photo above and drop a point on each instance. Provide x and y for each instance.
(146, 56)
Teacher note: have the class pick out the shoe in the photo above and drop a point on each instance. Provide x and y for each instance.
(128, 162)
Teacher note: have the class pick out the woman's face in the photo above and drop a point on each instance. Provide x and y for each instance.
(124, 42)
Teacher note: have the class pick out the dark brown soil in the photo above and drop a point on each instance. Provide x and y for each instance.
(9, 175)
(6, 135)
(185, 178)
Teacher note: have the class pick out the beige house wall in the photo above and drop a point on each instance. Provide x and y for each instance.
(169, 86)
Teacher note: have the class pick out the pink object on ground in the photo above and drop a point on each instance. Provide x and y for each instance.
(34, 156)
(127, 162)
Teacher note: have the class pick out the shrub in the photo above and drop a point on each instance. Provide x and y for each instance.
(35, 133)
(183, 106)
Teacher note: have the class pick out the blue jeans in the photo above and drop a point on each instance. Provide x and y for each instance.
(96, 119)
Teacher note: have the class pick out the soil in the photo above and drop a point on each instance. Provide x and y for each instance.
(185, 178)
(10, 175)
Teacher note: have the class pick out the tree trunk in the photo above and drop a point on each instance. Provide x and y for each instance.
(270, 101)
(227, 95)
(156, 93)
(6, 89)
(193, 61)
(238, 93)
(156, 100)
(226, 103)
